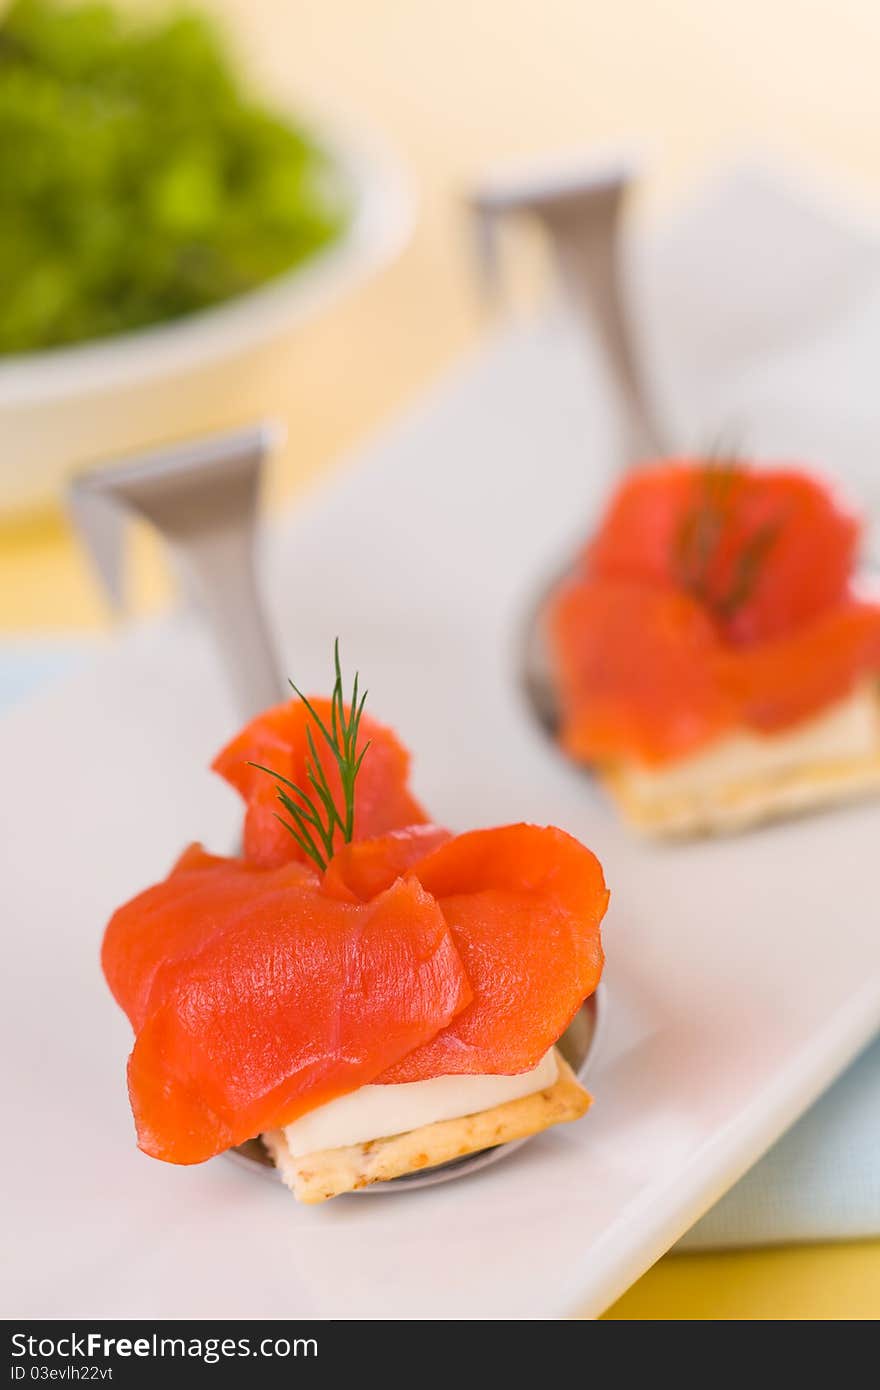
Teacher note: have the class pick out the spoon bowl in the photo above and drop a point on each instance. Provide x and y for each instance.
(578, 1047)
(534, 673)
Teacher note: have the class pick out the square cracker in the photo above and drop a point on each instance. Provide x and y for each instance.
(734, 806)
(315, 1177)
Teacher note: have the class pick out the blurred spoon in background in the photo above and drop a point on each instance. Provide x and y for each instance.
(580, 210)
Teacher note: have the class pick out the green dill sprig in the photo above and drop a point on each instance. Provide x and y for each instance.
(749, 563)
(701, 533)
(314, 816)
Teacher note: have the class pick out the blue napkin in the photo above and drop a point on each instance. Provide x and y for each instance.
(820, 1182)
(27, 663)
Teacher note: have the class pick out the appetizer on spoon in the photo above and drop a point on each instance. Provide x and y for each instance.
(366, 991)
(712, 654)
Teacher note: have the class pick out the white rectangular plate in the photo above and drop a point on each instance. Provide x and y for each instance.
(742, 974)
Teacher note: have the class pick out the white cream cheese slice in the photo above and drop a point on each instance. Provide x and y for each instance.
(375, 1112)
(846, 732)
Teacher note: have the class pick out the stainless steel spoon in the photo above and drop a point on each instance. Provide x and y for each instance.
(202, 498)
(578, 1046)
(580, 211)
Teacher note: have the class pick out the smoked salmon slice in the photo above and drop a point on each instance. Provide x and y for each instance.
(258, 994)
(277, 739)
(357, 872)
(256, 997)
(525, 904)
(637, 671)
(662, 516)
(708, 600)
(775, 684)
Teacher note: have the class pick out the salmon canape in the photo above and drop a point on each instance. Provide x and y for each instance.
(714, 655)
(368, 992)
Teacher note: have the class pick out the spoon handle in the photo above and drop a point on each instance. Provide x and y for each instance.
(581, 214)
(202, 497)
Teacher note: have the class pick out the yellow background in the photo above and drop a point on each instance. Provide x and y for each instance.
(455, 85)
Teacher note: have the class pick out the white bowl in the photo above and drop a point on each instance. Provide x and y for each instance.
(66, 407)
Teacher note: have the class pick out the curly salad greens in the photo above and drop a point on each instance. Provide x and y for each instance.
(139, 180)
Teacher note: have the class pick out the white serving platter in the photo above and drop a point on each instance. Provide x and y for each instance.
(742, 976)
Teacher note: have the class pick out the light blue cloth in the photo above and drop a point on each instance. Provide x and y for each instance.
(820, 1182)
(27, 663)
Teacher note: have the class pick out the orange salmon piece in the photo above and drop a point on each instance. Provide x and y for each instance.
(710, 599)
(524, 904)
(637, 671)
(804, 566)
(779, 683)
(357, 872)
(255, 997)
(277, 739)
